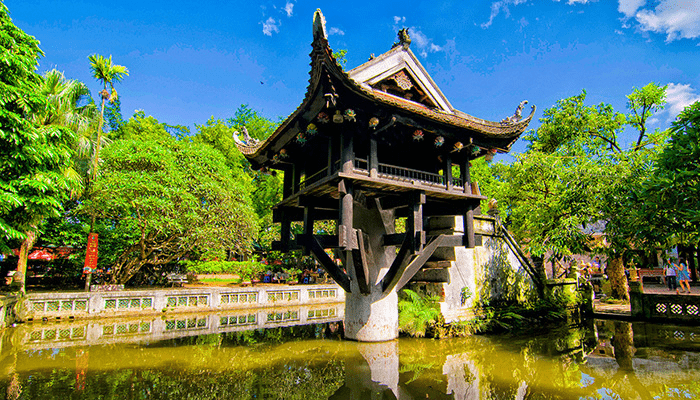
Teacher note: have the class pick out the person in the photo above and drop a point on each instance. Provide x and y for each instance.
(683, 276)
(670, 272)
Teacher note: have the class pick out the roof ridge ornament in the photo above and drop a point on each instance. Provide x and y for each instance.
(319, 25)
(518, 114)
(404, 39)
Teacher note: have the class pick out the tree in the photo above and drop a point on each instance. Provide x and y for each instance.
(33, 159)
(671, 191)
(68, 108)
(172, 199)
(265, 187)
(643, 103)
(576, 173)
(106, 73)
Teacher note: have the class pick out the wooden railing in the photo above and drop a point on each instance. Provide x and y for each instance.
(311, 179)
(400, 173)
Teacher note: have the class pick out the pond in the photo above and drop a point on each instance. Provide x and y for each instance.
(135, 359)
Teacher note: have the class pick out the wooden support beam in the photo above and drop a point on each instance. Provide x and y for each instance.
(393, 239)
(399, 264)
(362, 258)
(416, 264)
(318, 203)
(392, 201)
(295, 214)
(334, 271)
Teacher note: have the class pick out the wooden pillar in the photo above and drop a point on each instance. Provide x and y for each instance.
(414, 223)
(285, 231)
(308, 225)
(373, 156)
(448, 172)
(288, 183)
(346, 238)
(347, 152)
(469, 233)
(296, 173)
(466, 176)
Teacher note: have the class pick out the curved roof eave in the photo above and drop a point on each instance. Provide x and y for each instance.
(322, 59)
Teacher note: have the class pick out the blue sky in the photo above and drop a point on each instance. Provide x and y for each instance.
(189, 60)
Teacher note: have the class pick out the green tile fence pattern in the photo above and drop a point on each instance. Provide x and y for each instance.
(58, 334)
(188, 301)
(239, 298)
(283, 295)
(128, 303)
(238, 320)
(127, 328)
(284, 316)
(186, 324)
(59, 306)
(322, 294)
(322, 313)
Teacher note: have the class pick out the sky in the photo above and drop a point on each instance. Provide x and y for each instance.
(189, 61)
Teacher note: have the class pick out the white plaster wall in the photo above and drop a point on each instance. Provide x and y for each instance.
(470, 269)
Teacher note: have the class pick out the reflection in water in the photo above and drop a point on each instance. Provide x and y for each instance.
(232, 357)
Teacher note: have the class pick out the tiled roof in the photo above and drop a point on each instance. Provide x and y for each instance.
(324, 64)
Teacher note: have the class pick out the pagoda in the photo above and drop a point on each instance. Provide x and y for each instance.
(367, 148)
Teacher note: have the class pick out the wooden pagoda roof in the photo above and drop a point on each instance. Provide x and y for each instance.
(330, 83)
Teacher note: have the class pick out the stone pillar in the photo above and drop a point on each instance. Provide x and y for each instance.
(373, 317)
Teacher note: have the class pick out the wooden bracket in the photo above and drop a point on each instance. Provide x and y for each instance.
(362, 257)
(312, 244)
(407, 269)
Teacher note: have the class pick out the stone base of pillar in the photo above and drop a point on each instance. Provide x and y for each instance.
(371, 318)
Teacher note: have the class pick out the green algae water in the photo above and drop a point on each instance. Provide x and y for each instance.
(134, 359)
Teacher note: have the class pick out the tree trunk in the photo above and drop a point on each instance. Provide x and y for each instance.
(618, 281)
(27, 245)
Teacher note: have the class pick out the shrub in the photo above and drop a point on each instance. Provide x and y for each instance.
(247, 270)
(417, 313)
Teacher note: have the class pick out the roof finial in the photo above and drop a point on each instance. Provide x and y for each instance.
(319, 25)
(404, 39)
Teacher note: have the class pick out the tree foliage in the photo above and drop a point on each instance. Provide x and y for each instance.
(670, 212)
(33, 158)
(173, 199)
(576, 173)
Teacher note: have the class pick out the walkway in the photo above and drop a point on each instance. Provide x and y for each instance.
(622, 311)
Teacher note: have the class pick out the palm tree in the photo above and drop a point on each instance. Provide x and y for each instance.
(106, 73)
(65, 109)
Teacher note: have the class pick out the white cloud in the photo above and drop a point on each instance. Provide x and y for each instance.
(629, 7)
(570, 2)
(336, 31)
(425, 44)
(434, 48)
(678, 97)
(399, 20)
(497, 7)
(270, 26)
(289, 8)
(678, 19)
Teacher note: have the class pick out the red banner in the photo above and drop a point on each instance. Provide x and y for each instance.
(91, 255)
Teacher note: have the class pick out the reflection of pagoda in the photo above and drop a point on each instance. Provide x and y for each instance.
(366, 147)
